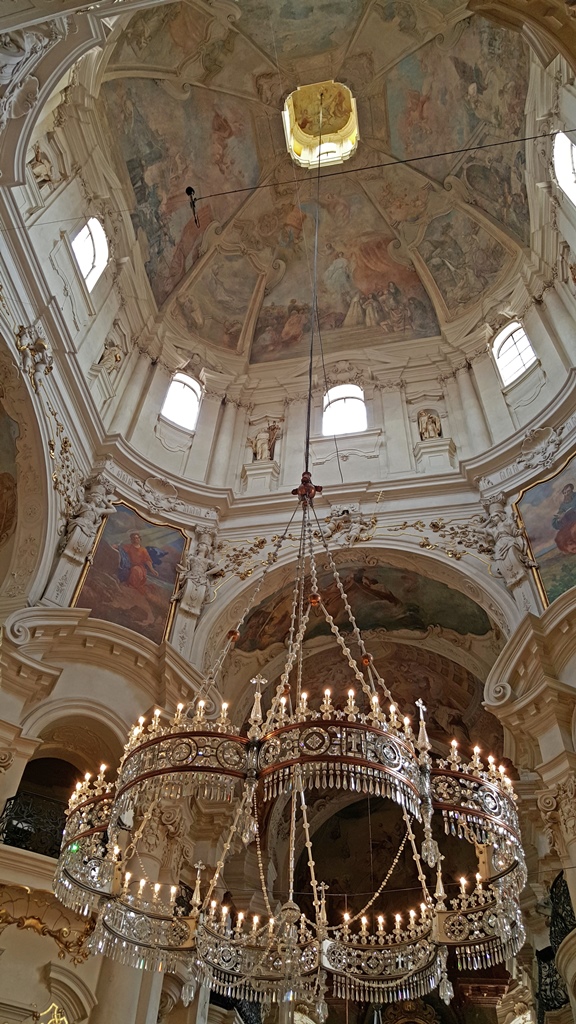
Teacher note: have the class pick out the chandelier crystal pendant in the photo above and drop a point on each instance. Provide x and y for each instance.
(358, 742)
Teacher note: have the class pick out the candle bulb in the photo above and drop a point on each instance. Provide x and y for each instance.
(380, 924)
(398, 920)
(346, 924)
(478, 880)
(116, 852)
(412, 918)
(363, 925)
(463, 885)
(127, 878)
(271, 926)
(255, 920)
(239, 922)
(423, 910)
(224, 914)
(156, 889)
(212, 909)
(173, 891)
(141, 885)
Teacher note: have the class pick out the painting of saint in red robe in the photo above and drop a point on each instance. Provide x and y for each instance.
(133, 574)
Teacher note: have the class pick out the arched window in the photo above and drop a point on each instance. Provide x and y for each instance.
(513, 352)
(90, 247)
(564, 165)
(344, 410)
(182, 402)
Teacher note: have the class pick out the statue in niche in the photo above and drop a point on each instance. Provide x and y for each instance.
(264, 442)
(111, 356)
(509, 548)
(42, 167)
(197, 574)
(429, 424)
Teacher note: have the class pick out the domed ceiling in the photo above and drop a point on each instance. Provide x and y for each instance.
(193, 96)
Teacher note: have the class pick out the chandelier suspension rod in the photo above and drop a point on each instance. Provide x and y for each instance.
(314, 310)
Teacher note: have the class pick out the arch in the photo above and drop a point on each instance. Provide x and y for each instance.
(73, 714)
(71, 993)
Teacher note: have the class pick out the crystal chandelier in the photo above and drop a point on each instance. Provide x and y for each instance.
(357, 742)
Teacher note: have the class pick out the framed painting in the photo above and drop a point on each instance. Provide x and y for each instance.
(547, 511)
(132, 576)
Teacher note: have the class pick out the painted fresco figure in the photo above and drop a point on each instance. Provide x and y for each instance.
(564, 521)
(566, 513)
(135, 563)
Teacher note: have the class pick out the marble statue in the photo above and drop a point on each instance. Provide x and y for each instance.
(509, 548)
(197, 574)
(264, 442)
(429, 424)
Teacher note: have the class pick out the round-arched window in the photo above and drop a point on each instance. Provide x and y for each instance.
(182, 402)
(565, 165)
(344, 410)
(90, 247)
(513, 352)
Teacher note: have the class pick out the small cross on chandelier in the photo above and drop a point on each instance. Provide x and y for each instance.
(356, 741)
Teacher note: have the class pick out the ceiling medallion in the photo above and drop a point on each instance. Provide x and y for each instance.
(122, 854)
(321, 124)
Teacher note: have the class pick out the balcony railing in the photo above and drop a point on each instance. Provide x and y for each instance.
(562, 918)
(32, 822)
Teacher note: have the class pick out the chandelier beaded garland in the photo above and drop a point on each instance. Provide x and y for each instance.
(350, 742)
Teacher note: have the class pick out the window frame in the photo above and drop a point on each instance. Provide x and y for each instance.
(564, 164)
(357, 395)
(100, 256)
(505, 335)
(194, 385)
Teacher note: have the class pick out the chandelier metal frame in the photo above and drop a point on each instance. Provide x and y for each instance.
(353, 745)
(290, 749)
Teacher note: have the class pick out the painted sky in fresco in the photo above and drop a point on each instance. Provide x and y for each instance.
(215, 124)
(206, 139)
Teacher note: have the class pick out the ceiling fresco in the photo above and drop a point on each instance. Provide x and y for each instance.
(380, 597)
(193, 96)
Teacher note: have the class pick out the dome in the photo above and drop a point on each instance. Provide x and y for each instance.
(429, 216)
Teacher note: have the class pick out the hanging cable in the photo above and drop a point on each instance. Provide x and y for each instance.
(314, 310)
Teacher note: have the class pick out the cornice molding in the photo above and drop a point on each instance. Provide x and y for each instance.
(35, 637)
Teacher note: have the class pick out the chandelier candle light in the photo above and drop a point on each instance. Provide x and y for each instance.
(356, 742)
(360, 743)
